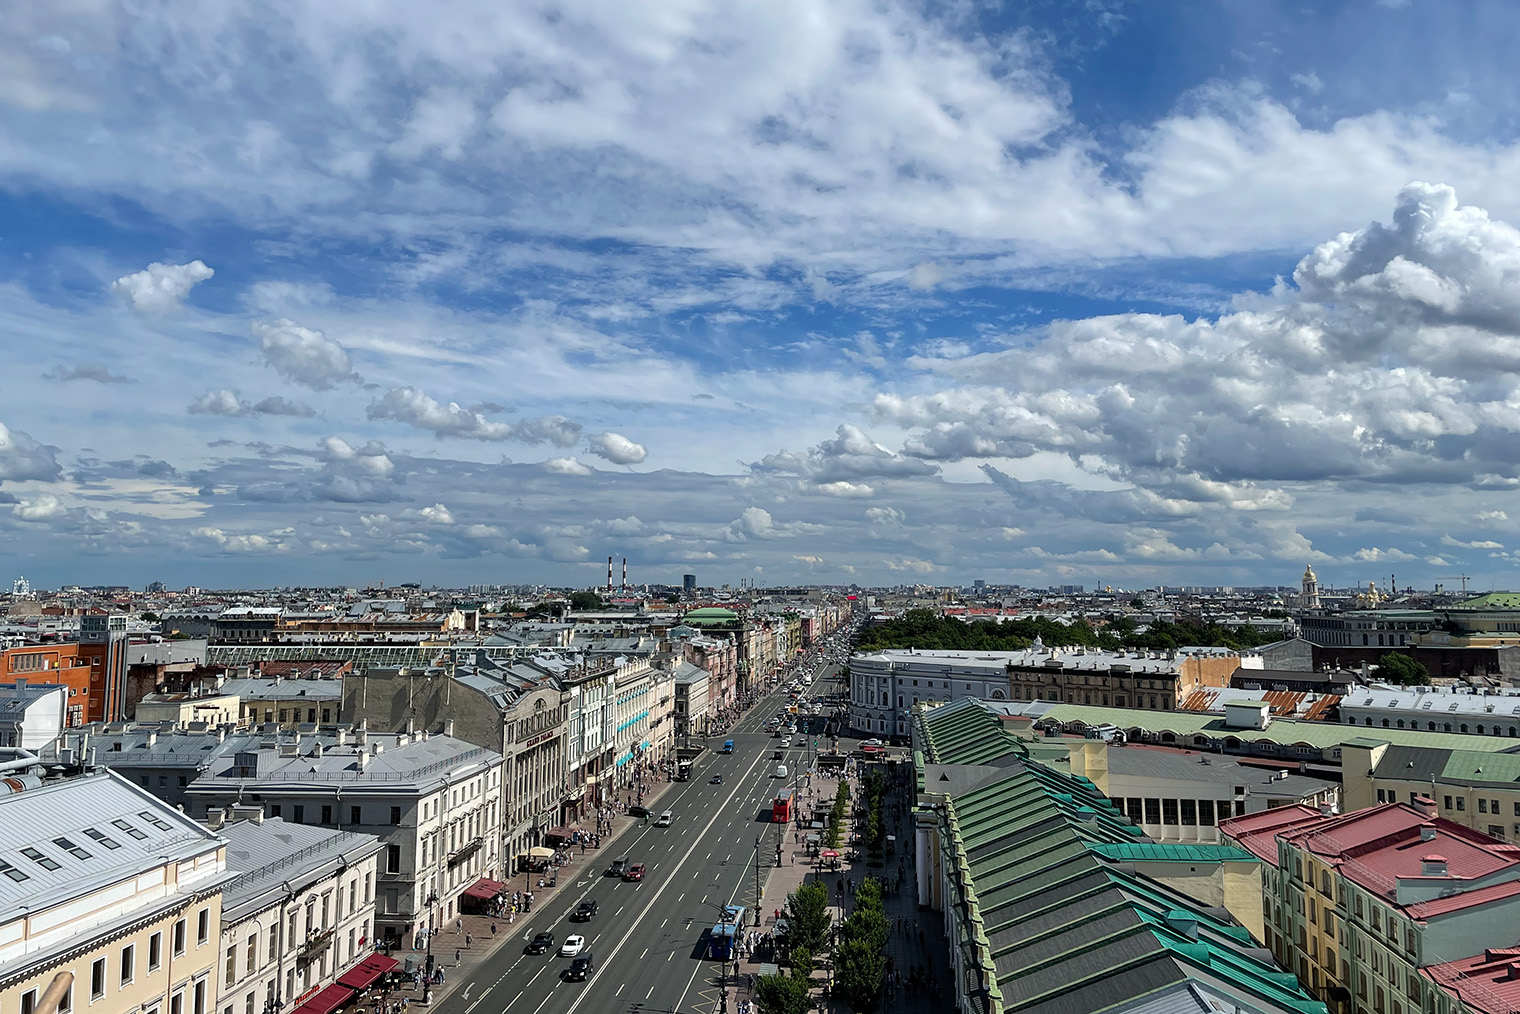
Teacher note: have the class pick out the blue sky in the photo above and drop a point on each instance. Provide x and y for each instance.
(831, 291)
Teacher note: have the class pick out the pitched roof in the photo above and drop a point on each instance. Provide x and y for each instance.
(1484, 982)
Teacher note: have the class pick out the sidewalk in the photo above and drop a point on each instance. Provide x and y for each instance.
(451, 940)
(916, 938)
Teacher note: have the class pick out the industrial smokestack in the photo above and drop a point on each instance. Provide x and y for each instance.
(625, 575)
(609, 575)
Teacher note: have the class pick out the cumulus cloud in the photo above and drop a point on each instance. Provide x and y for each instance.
(87, 371)
(21, 457)
(302, 355)
(413, 407)
(849, 457)
(160, 287)
(43, 507)
(757, 523)
(227, 403)
(616, 448)
(567, 466)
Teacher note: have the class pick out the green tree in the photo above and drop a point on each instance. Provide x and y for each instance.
(783, 994)
(807, 917)
(1398, 668)
(582, 601)
(859, 970)
(150, 617)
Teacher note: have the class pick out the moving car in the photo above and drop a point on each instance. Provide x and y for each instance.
(617, 867)
(664, 819)
(634, 872)
(638, 811)
(872, 742)
(581, 968)
(715, 780)
(574, 944)
(540, 943)
(780, 771)
(583, 912)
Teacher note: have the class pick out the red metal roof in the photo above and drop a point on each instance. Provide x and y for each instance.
(1257, 832)
(1485, 982)
(1467, 899)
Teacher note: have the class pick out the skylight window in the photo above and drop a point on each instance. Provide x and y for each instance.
(102, 838)
(11, 871)
(136, 833)
(155, 821)
(71, 848)
(46, 862)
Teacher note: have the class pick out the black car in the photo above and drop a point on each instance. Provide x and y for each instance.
(715, 780)
(584, 911)
(541, 943)
(581, 967)
(617, 867)
(638, 811)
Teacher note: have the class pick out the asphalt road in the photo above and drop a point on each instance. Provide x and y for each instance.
(649, 937)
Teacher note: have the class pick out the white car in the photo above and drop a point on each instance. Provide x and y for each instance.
(573, 945)
(873, 742)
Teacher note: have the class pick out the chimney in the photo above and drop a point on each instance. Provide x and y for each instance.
(1426, 806)
(1433, 866)
(361, 760)
(448, 727)
(20, 684)
(1427, 831)
(609, 575)
(316, 751)
(1326, 810)
(625, 575)
(342, 737)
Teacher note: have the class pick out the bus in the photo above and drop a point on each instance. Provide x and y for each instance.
(728, 746)
(720, 944)
(781, 807)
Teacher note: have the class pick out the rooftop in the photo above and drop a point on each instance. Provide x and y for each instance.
(1488, 983)
(265, 854)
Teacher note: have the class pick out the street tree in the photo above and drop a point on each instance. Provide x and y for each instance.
(807, 917)
(1400, 668)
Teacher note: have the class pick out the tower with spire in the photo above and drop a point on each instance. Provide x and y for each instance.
(1310, 598)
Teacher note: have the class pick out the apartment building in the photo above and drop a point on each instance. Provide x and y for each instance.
(1359, 904)
(298, 914)
(289, 702)
(1478, 789)
(58, 664)
(109, 897)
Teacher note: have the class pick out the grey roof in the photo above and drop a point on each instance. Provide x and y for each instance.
(686, 672)
(252, 689)
(15, 700)
(406, 762)
(133, 833)
(267, 854)
(1150, 762)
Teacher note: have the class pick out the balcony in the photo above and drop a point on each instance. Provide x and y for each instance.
(315, 944)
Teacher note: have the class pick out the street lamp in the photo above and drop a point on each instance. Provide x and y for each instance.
(272, 1005)
(427, 988)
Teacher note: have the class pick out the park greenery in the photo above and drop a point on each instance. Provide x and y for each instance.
(791, 993)
(835, 833)
(925, 629)
(860, 966)
(807, 918)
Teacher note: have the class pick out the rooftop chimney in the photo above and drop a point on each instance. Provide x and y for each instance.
(1433, 866)
(448, 727)
(1426, 806)
(1427, 831)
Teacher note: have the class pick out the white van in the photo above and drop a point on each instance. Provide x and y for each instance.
(780, 771)
(663, 820)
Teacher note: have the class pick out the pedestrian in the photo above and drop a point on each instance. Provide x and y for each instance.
(493, 929)
(469, 940)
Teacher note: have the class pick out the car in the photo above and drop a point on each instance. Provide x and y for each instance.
(540, 943)
(583, 912)
(617, 867)
(872, 742)
(786, 744)
(634, 872)
(574, 944)
(581, 968)
(715, 780)
(664, 819)
(638, 811)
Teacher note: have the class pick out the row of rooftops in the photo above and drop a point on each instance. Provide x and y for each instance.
(1037, 656)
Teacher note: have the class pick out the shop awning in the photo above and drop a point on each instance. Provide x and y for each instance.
(539, 852)
(483, 889)
(367, 971)
(561, 834)
(327, 1001)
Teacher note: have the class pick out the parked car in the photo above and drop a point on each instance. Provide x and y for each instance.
(583, 912)
(574, 944)
(540, 943)
(617, 867)
(638, 811)
(634, 872)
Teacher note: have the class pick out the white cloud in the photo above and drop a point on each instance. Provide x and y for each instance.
(566, 466)
(616, 448)
(160, 287)
(845, 489)
(412, 406)
(43, 507)
(98, 372)
(21, 457)
(302, 355)
(227, 403)
(437, 514)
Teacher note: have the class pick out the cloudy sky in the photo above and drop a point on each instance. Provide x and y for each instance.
(828, 291)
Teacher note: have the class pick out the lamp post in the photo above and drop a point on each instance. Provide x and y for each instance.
(427, 988)
(272, 1005)
(758, 897)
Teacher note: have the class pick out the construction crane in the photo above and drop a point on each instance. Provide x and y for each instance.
(1458, 577)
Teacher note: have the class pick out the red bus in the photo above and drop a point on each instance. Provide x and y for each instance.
(781, 808)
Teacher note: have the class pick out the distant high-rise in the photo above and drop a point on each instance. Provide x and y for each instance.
(978, 585)
(689, 583)
(103, 641)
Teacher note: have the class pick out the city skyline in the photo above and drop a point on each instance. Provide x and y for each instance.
(830, 294)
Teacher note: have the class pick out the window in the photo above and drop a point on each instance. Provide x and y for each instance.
(1189, 812)
(199, 1005)
(253, 952)
(10, 871)
(179, 938)
(66, 1002)
(395, 815)
(155, 951)
(1447, 801)
(137, 834)
(353, 815)
(300, 814)
(327, 814)
(1461, 803)
(393, 859)
(28, 1001)
(1482, 806)
(102, 839)
(155, 821)
(128, 959)
(97, 979)
(1493, 806)
(232, 964)
(203, 926)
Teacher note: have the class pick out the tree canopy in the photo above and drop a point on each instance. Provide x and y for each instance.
(583, 601)
(1398, 668)
(923, 628)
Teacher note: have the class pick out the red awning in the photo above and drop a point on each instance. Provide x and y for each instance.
(327, 1001)
(485, 889)
(367, 971)
(562, 834)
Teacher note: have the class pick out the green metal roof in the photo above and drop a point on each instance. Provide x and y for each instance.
(1493, 600)
(1146, 851)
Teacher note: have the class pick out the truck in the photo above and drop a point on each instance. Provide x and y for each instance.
(728, 746)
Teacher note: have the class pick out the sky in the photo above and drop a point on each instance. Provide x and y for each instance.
(835, 291)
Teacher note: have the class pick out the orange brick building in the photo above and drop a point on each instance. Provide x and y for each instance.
(51, 663)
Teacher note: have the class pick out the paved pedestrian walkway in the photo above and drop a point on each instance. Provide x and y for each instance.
(917, 939)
